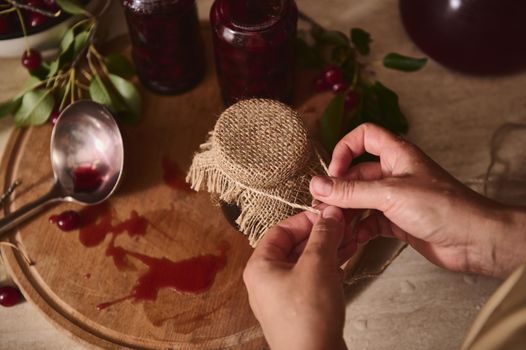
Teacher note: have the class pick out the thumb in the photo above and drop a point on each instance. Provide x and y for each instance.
(350, 193)
(325, 238)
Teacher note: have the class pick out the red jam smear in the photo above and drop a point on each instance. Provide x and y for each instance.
(98, 222)
(193, 275)
(173, 176)
(86, 179)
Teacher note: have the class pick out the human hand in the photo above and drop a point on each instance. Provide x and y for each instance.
(419, 202)
(294, 281)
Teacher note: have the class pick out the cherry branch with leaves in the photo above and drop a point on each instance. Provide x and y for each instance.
(79, 71)
(358, 97)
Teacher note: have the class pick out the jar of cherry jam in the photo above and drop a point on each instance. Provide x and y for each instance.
(166, 44)
(254, 48)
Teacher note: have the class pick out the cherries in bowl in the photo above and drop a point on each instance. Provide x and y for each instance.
(43, 32)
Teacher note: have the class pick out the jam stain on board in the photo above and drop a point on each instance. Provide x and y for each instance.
(97, 223)
(173, 176)
(194, 275)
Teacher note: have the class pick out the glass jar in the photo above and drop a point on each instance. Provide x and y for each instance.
(472, 36)
(254, 48)
(166, 43)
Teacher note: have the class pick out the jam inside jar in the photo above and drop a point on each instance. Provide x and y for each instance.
(254, 48)
(166, 44)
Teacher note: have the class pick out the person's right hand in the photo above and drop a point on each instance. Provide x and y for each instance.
(419, 202)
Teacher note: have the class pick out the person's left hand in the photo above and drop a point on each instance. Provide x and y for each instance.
(294, 281)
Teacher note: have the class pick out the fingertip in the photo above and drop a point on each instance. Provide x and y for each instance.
(321, 186)
(333, 213)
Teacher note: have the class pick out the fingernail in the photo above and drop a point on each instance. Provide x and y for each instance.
(315, 203)
(321, 185)
(332, 213)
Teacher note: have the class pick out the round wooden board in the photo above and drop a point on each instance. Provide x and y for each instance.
(68, 280)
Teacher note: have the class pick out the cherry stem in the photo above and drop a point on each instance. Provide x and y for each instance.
(88, 44)
(22, 24)
(66, 93)
(9, 10)
(17, 4)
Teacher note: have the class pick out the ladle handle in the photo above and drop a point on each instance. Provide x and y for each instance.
(27, 211)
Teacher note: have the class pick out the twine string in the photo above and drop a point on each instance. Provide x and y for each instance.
(281, 199)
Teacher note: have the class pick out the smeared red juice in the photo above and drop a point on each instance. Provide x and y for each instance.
(98, 222)
(193, 275)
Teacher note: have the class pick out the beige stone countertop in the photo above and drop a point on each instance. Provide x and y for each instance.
(413, 304)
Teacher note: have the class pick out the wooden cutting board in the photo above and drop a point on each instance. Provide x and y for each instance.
(70, 277)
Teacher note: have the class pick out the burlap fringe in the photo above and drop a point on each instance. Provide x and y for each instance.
(253, 220)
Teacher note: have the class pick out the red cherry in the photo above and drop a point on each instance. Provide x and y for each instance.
(36, 19)
(4, 24)
(31, 59)
(9, 296)
(35, 3)
(333, 75)
(320, 84)
(53, 117)
(51, 5)
(351, 99)
(340, 87)
(66, 221)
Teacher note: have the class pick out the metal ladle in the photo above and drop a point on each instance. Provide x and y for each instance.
(85, 134)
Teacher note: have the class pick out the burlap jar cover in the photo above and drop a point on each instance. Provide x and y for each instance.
(260, 157)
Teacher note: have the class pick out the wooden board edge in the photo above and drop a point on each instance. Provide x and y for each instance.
(15, 263)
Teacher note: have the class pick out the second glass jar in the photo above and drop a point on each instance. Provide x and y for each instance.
(166, 43)
(254, 48)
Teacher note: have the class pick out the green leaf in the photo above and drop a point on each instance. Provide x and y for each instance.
(330, 37)
(67, 39)
(80, 42)
(41, 72)
(30, 84)
(119, 65)
(99, 93)
(404, 63)
(331, 122)
(308, 57)
(53, 67)
(9, 107)
(122, 98)
(361, 40)
(35, 108)
(130, 100)
(72, 7)
(387, 112)
(65, 58)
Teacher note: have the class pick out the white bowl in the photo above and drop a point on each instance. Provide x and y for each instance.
(46, 41)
